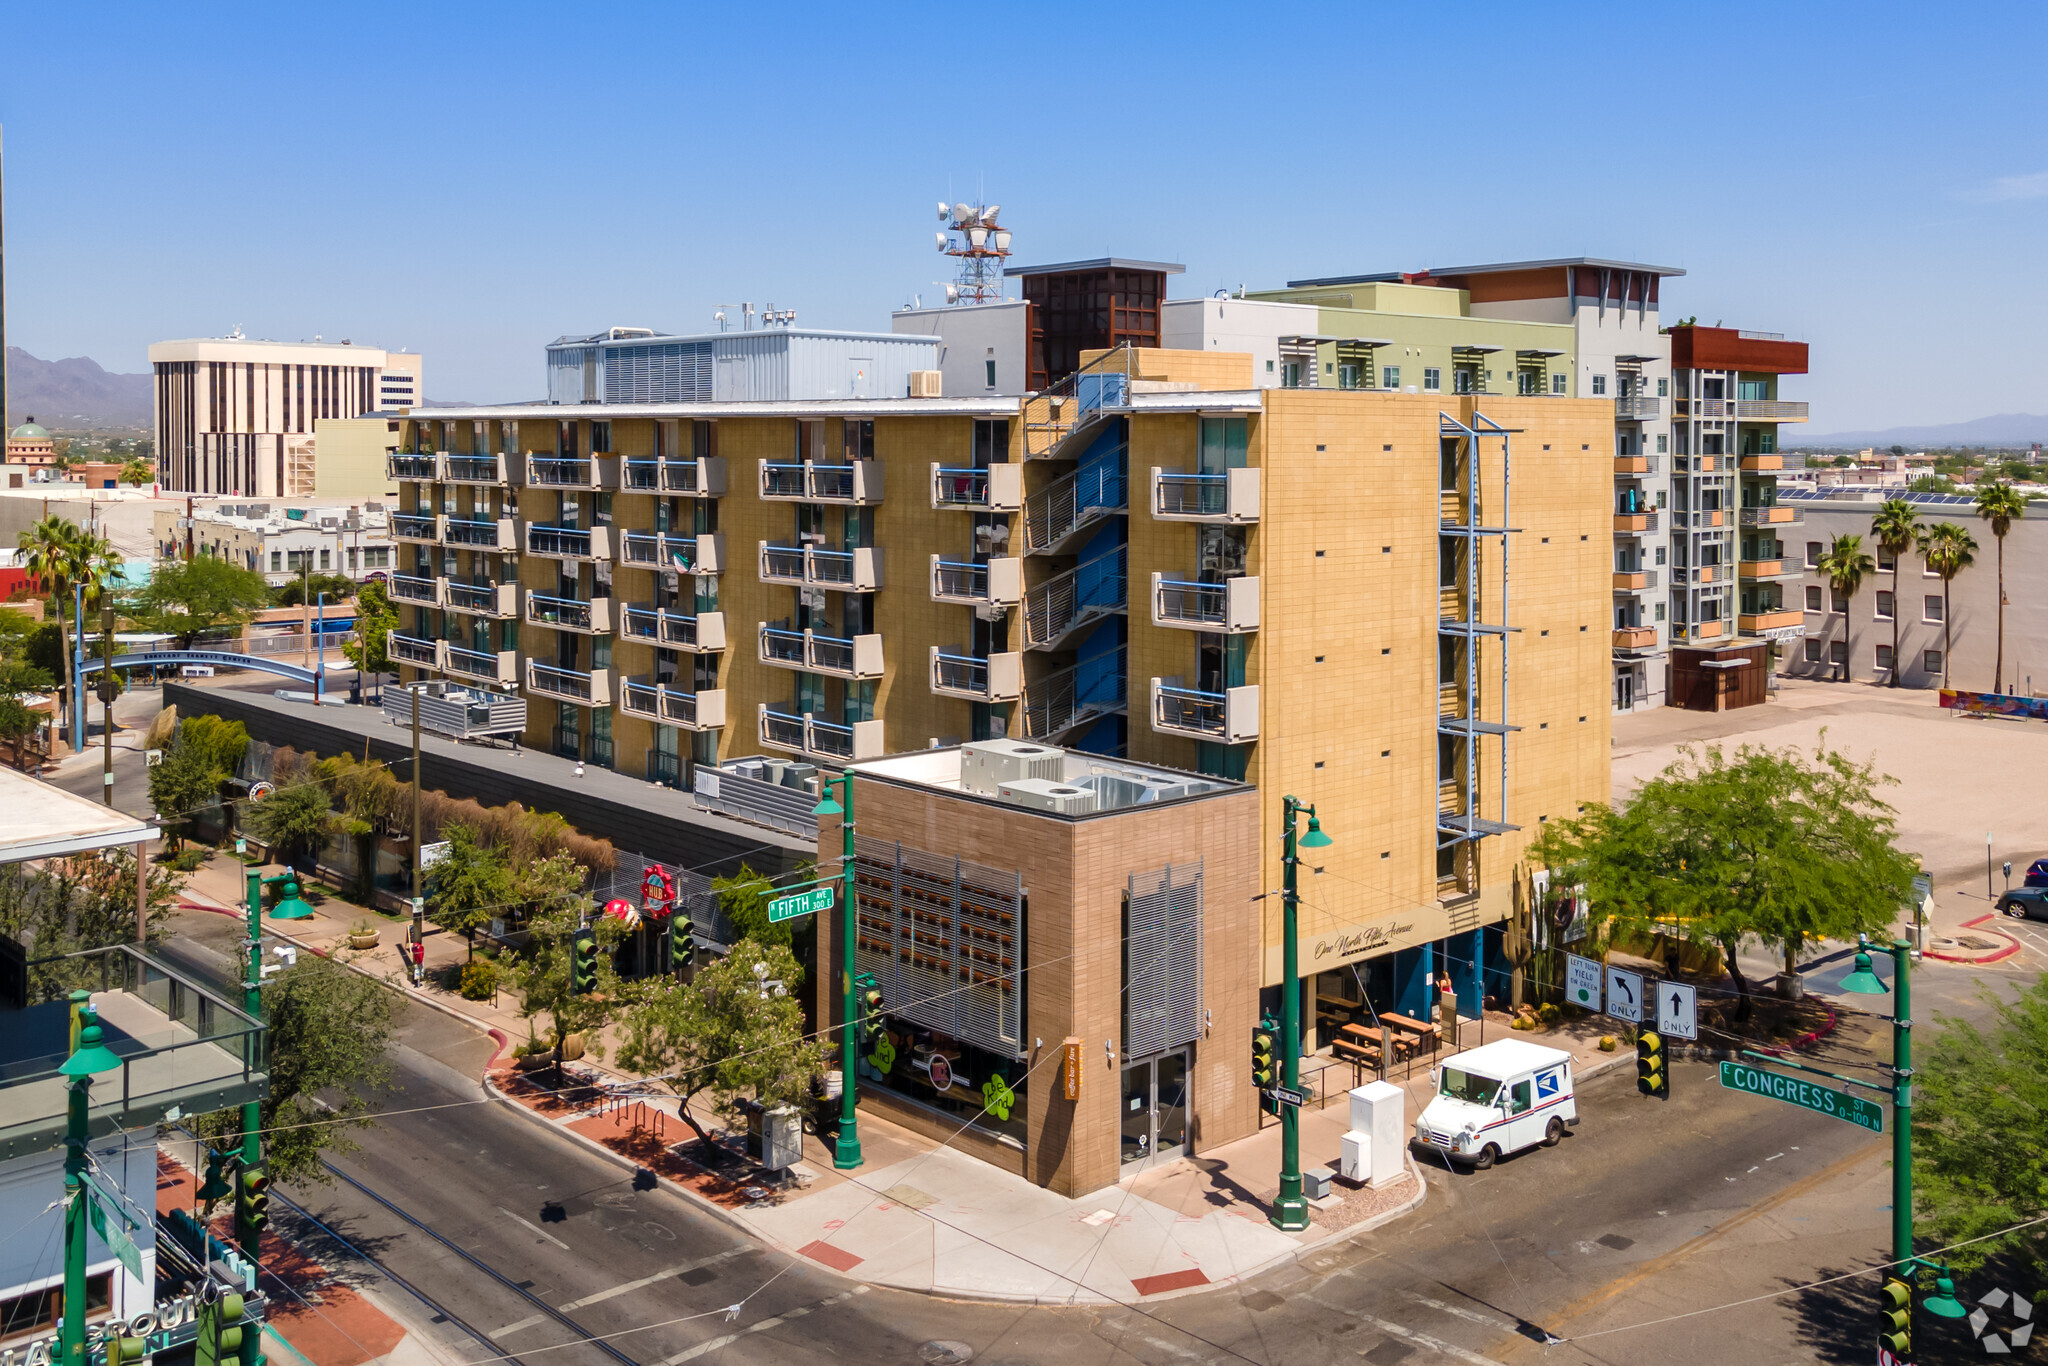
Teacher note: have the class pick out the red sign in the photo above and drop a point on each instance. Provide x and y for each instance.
(942, 1073)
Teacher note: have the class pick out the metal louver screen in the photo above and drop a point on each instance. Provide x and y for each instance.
(1162, 959)
(944, 939)
(665, 372)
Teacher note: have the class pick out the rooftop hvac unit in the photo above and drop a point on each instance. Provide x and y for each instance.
(924, 384)
(1042, 794)
(987, 764)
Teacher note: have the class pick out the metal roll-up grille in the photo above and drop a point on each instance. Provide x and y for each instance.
(944, 939)
(1162, 959)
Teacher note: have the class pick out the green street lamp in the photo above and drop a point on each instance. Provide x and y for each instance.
(1865, 982)
(846, 1150)
(290, 906)
(1290, 1209)
(89, 1057)
(1943, 1302)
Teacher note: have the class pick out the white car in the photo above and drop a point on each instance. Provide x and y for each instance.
(1498, 1099)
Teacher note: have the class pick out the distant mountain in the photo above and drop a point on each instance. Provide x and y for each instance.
(75, 395)
(2005, 429)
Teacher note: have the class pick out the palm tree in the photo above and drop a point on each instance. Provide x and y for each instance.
(61, 554)
(1844, 565)
(1895, 532)
(1948, 550)
(1998, 503)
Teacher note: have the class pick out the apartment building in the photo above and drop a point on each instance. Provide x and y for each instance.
(235, 417)
(1304, 589)
(278, 541)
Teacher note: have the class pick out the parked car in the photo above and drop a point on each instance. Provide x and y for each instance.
(2037, 874)
(1498, 1099)
(2025, 903)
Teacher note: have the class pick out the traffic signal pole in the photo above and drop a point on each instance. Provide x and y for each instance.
(846, 1150)
(1902, 1103)
(1290, 1209)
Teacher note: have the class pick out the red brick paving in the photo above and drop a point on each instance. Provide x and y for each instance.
(1171, 1280)
(839, 1259)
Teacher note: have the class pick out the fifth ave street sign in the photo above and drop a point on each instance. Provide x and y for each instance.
(801, 903)
(1868, 1114)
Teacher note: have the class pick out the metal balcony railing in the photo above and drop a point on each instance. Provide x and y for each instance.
(479, 534)
(641, 473)
(703, 633)
(1231, 606)
(427, 466)
(474, 469)
(1072, 504)
(998, 678)
(499, 666)
(782, 479)
(1066, 408)
(1778, 514)
(1231, 716)
(414, 588)
(701, 478)
(415, 650)
(999, 488)
(819, 739)
(846, 656)
(998, 583)
(1224, 496)
(415, 526)
(554, 472)
(1069, 698)
(858, 570)
(684, 554)
(569, 543)
(642, 696)
(570, 614)
(1638, 407)
(592, 688)
(481, 599)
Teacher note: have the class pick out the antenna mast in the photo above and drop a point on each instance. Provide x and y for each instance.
(980, 246)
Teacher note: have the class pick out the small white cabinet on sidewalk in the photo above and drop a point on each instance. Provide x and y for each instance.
(1379, 1128)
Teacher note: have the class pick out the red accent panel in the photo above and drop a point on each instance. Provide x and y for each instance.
(1724, 348)
(1172, 1280)
(837, 1258)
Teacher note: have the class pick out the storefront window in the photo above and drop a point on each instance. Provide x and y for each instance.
(980, 1088)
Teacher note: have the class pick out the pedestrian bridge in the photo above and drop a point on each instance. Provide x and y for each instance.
(219, 659)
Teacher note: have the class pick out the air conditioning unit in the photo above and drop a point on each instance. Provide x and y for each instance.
(924, 384)
(1043, 794)
(987, 764)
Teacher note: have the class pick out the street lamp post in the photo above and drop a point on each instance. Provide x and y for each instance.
(1290, 1209)
(88, 1056)
(846, 1150)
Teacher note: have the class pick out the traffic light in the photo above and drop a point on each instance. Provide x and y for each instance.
(682, 940)
(117, 1350)
(1265, 1067)
(583, 962)
(215, 1187)
(220, 1331)
(1895, 1317)
(252, 1205)
(1652, 1071)
(869, 1001)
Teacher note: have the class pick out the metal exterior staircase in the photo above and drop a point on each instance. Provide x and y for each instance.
(1071, 504)
(1074, 600)
(1062, 701)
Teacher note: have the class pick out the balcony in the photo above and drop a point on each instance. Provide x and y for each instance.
(498, 600)
(590, 617)
(422, 527)
(479, 534)
(812, 652)
(1770, 569)
(414, 650)
(702, 634)
(1768, 410)
(425, 465)
(569, 543)
(1635, 637)
(1760, 464)
(499, 667)
(640, 474)
(999, 583)
(1775, 515)
(1231, 606)
(700, 478)
(1231, 496)
(1635, 522)
(1776, 623)
(556, 472)
(1230, 716)
(1638, 408)
(1635, 466)
(816, 739)
(593, 689)
(1696, 574)
(999, 488)
(999, 678)
(642, 696)
(1634, 580)
(413, 588)
(474, 469)
(684, 554)
(856, 485)
(807, 566)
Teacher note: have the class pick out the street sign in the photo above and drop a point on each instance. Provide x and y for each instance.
(1866, 1114)
(1677, 1010)
(800, 903)
(1582, 981)
(1625, 995)
(1288, 1095)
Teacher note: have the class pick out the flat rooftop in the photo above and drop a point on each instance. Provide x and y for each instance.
(1044, 779)
(1395, 277)
(39, 821)
(1099, 263)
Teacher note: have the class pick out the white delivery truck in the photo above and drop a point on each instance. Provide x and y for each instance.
(1499, 1098)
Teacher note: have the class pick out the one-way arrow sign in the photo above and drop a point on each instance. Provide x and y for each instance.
(1677, 1011)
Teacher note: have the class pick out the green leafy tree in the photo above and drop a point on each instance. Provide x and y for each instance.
(1932, 483)
(202, 758)
(376, 619)
(543, 974)
(137, 472)
(330, 1029)
(189, 598)
(1774, 845)
(472, 882)
(1948, 550)
(1896, 527)
(1845, 565)
(1999, 504)
(44, 648)
(744, 898)
(59, 554)
(1980, 1163)
(337, 587)
(18, 678)
(295, 821)
(726, 1034)
(83, 902)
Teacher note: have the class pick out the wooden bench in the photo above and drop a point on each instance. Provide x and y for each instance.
(1416, 1034)
(1358, 1044)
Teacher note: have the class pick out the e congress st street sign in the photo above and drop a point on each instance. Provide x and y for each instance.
(1866, 1114)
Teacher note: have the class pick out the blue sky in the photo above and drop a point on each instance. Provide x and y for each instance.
(472, 181)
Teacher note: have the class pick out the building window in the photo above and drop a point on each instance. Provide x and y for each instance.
(1884, 605)
(1813, 597)
(1930, 660)
(1812, 554)
(1838, 652)
(351, 559)
(1350, 375)
(277, 562)
(990, 381)
(1432, 379)
(1660, 611)
(1599, 385)
(1663, 388)
(1663, 443)
(40, 1309)
(1390, 377)
(1884, 658)
(1269, 367)
(1812, 651)
(326, 558)
(1557, 385)
(1838, 602)
(1886, 562)
(1931, 607)
(1752, 390)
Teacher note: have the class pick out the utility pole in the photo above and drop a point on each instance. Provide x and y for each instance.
(77, 668)
(306, 608)
(846, 1151)
(419, 929)
(1290, 1209)
(320, 669)
(88, 1056)
(107, 707)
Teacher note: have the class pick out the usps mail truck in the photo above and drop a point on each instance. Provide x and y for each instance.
(1498, 1099)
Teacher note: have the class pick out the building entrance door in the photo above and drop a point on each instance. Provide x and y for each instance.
(1624, 689)
(1155, 1108)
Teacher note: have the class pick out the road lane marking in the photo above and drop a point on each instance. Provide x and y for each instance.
(727, 1340)
(535, 1227)
(1451, 1350)
(1459, 1311)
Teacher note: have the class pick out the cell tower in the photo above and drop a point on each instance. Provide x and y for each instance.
(981, 248)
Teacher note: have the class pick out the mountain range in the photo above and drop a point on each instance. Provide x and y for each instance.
(75, 395)
(2004, 429)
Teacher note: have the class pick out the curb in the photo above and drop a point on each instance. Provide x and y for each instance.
(2012, 945)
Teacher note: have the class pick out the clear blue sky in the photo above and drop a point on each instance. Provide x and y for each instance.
(472, 181)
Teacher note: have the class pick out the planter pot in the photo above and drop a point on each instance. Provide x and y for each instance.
(363, 939)
(572, 1047)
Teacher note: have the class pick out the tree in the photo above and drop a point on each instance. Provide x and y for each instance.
(1999, 504)
(376, 618)
(294, 821)
(329, 1031)
(59, 554)
(18, 677)
(73, 904)
(1769, 844)
(744, 898)
(137, 472)
(1895, 528)
(201, 759)
(727, 1034)
(1931, 483)
(470, 881)
(544, 976)
(1844, 565)
(1977, 1135)
(337, 587)
(1948, 550)
(189, 598)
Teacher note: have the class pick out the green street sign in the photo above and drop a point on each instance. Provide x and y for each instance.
(801, 903)
(1867, 1114)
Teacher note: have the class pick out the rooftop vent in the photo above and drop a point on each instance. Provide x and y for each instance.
(987, 764)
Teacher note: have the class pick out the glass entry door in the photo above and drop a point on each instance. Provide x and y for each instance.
(1154, 1120)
